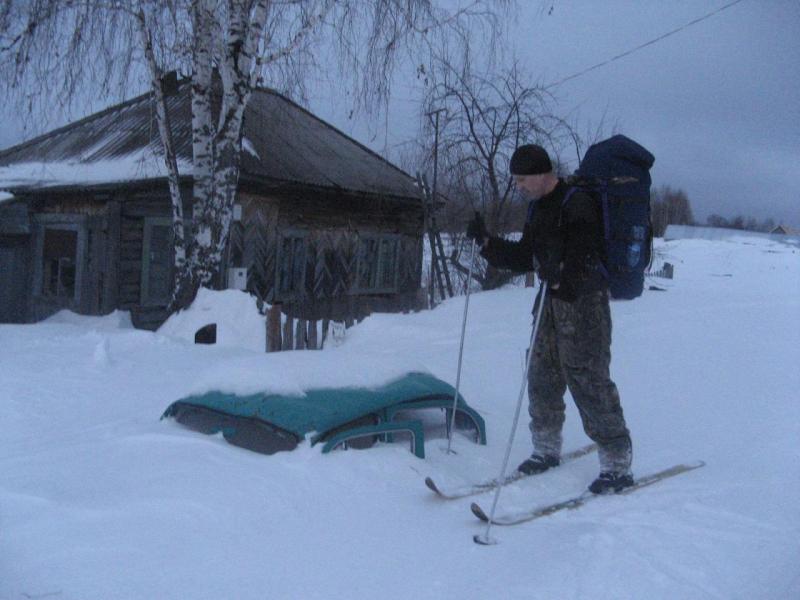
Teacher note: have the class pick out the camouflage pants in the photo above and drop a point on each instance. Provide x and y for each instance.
(573, 349)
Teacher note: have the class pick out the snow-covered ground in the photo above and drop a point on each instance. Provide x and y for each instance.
(99, 499)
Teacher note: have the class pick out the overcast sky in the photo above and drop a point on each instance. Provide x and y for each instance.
(718, 103)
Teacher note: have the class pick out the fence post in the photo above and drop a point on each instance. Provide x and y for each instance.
(300, 335)
(326, 323)
(274, 328)
(312, 335)
(288, 340)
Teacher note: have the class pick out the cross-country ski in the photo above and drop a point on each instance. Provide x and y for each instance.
(464, 491)
(577, 501)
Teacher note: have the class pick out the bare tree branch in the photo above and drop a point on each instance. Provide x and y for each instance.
(56, 50)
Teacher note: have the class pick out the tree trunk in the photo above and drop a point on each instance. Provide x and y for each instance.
(216, 149)
(170, 159)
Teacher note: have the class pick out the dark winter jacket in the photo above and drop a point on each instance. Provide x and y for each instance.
(566, 243)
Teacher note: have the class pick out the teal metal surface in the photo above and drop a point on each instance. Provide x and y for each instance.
(322, 410)
(413, 427)
(447, 405)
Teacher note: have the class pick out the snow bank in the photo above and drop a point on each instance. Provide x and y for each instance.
(99, 499)
(5, 196)
(239, 323)
(119, 319)
(241, 326)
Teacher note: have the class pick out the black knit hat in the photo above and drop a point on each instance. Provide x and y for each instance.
(530, 159)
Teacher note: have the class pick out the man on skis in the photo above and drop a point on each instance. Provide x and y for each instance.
(563, 242)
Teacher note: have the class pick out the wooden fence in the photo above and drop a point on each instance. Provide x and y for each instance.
(285, 332)
(666, 271)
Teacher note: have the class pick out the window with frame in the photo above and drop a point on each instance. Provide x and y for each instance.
(291, 264)
(377, 264)
(59, 256)
(157, 261)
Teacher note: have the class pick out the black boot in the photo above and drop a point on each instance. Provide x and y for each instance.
(538, 464)
(610, 483)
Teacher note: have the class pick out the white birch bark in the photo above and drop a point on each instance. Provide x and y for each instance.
(170, 158)
(68, 43)
(203, 154)
(238, 75)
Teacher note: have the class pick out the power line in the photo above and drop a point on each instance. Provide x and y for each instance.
(601, 64)
(650, 43)
(574, 75)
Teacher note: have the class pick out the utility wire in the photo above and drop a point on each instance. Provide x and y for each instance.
(593, 67)
(604, 63)
(650, 43)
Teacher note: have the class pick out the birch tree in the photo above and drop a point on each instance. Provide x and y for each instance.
(110, 45)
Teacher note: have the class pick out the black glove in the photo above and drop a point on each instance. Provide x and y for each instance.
(476, 229)
(550, 273)
(549, 269)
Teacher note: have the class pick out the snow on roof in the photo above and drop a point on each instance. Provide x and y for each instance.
(5, 196)
(140, 165)
(284, 143)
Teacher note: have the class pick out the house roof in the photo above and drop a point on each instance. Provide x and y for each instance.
(785, 230)
(283, 143)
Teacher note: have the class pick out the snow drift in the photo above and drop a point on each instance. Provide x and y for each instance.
(98, 499)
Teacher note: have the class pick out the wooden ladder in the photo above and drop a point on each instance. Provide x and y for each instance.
(439, 272)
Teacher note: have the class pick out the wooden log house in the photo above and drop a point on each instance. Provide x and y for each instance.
(322, 225)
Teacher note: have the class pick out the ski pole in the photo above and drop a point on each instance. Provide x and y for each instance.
(485, 539)
(452, 427)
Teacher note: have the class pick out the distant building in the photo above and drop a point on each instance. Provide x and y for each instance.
(322, 224)
(691, 232)
(784, 230)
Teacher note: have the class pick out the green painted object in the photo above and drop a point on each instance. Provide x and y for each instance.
(412, 427)
(467, 411)
(324, 409)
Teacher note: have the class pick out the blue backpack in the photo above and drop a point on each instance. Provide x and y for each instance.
(616, 172)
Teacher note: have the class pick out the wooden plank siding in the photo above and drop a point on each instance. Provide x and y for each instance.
(15, 261)
(14, 277)
(299, 176)
(331, 229)
(111, 230)
(113, 233)
(135, 210)
(130, 260)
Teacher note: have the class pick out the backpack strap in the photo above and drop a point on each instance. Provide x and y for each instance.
(606, 212)
(531, 207)
(606, 215)
(603, 190)
(567, 196)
